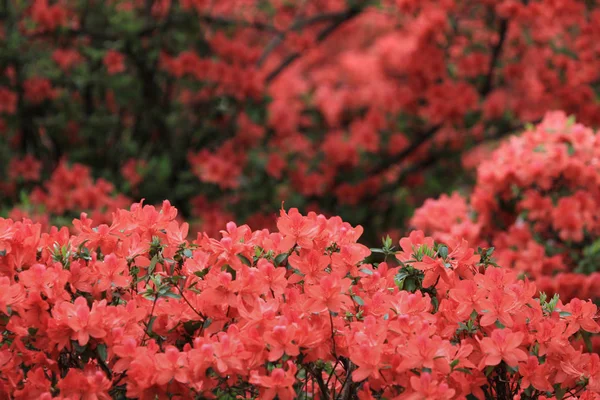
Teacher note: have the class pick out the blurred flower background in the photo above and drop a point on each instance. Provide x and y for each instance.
(359, 108)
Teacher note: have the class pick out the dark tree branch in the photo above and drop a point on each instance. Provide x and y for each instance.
(317, 376)
(296, 26)
(496, 53)
(27, 128)
(414, 146)
(221, 20)
(389, 162)
(347, 388)
(433, 158)
(321, 36)
(430, 160)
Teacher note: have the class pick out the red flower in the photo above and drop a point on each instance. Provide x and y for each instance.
(10, 295)
(82, 322)
(37, 90)
(114, 62)
(8, 101)
(278, 384)
(502, 345)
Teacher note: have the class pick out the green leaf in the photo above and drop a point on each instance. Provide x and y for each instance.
(172, 295)
(281, 259)
(149, 296)
(387, 242)
(78, 349)
(410, 285)
(564, 314)
(559, 392)
(244, 260)
(201, 274)
(152, 266)
(187, 253)
(191, 326)
(401, 275)
(150, 324)
(101, 351)
(358, 300)
(443, 251)
(366, 271)
(587, 339)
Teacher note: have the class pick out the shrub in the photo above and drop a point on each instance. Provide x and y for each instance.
(335, 106)
(134, 309)
(535, 201)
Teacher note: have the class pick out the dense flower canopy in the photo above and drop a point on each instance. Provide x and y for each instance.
(331, 105)
(135, 309)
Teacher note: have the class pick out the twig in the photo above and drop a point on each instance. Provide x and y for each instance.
(346, 393)
(317, 376)
(426, 162)
(190, 304)
(414, 146)
(496, 53)
(323, 34)
(149, 319)
(332, 335)
(296, 26)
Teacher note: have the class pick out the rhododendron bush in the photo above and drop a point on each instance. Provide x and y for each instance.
(134, 309)
(535, 200)
(229, 107)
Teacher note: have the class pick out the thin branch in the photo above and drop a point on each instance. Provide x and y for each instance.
(321, 36)
(496, 53)
(270, 47)
(28, 135)
(146, 329)
(296, 26)
(414, 146)
(190, 304)
(332, 335)
(346, 392)
(440, 155)
(319, 378)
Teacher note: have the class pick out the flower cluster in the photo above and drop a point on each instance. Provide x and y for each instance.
(69, 190)
(535, 201)
(134, 309)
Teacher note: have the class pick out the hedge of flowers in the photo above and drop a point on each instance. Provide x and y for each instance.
(133, 309)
